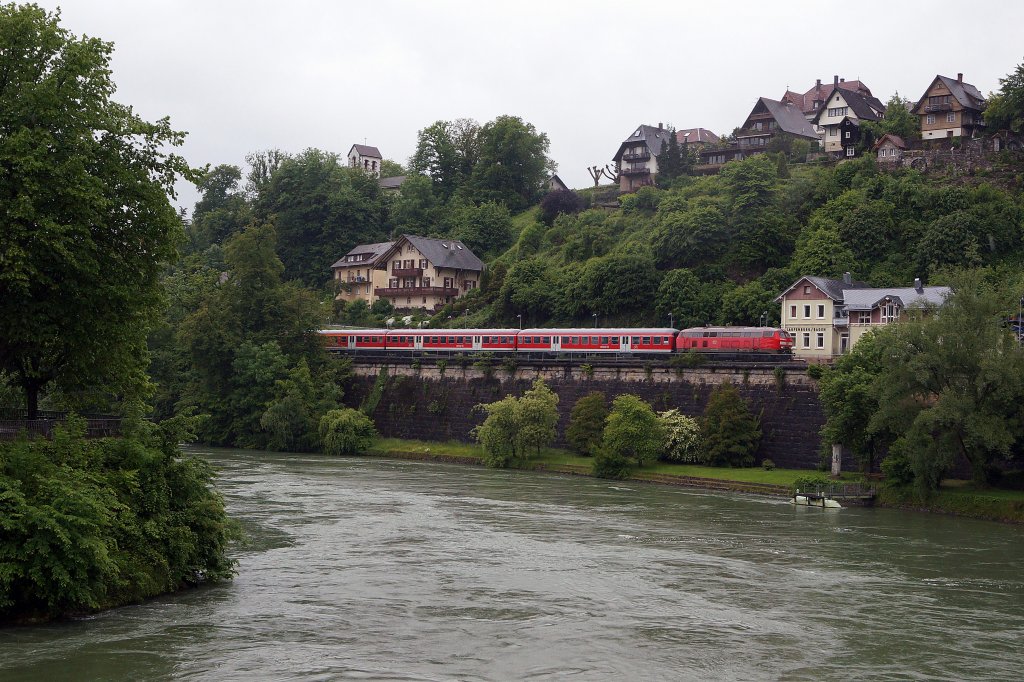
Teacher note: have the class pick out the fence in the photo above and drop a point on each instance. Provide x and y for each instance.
(14, 422)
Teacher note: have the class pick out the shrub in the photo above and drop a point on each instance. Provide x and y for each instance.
(557, 202)
(515, 425)
(586, 423)
(767, 464)
(632, 436)
(897, 469)
(609, 464)
(683, 442)
(346, 432)
(731, 433)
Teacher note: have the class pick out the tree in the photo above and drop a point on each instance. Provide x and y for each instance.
(514, 426)
(633, 435)
(558, 202)
(690, 301)
(346, 432)
(731, 433)
(586, 423)
(486, 229)
(221, 210)
(446, 152)
(898, 120)
(513, 165)
(86, 223)
(391, 169)
(619, 283)
(683, 440)
(1005, 110)
(953, 385)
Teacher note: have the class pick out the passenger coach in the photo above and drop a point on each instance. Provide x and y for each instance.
(597, 340)
(452, 339)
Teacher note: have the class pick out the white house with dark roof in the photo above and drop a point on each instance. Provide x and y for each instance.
(850, 106)
(366, 158)
(422, 272)
(636, 160)
(826, 317)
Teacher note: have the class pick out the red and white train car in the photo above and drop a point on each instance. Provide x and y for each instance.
(494, 340)
(735, 339)
(355, 339)
(652, 340)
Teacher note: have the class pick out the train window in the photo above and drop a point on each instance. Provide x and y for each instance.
(458, 339)
(604, 340)
(647, 340)
(657, 340)
(767, 334)
(636, 340)
(595, 341)
(487, 339)
(547, 339)
(615, 340)
(575, 340)
(433, 339)
(712, 334)
(451, 339)
(565, 340)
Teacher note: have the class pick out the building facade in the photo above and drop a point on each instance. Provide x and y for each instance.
(365, 158)
(889, 149)
(356, 275)
(636, 161)
(839, 119)
(826, 317)
(950, 108)
(427, 273)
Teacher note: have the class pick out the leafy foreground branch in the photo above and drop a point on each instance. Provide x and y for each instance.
(91, 524)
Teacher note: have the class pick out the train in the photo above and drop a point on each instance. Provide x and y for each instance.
(590, 341)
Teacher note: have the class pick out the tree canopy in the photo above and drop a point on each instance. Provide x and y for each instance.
(87, 224)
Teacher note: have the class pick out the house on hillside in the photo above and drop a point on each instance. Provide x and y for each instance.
(356, 274)
(555, 184)
(410, 272)
(697, 138)
(366, 158)
(950, 108)
(814, 99)
(840, 116)
(826, 317)
(636, 160)
(889, 149)
(769, 118)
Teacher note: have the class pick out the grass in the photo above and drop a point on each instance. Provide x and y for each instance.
(962, 498)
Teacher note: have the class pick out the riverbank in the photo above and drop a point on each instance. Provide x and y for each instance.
(955, 498)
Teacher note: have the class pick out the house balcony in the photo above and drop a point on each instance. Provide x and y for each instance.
(416, 291)
(406, 272)
(635, 170)
(932, 108)
(637, 156)
(356, 279)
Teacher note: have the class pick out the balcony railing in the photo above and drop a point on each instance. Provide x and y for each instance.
(635, 170)
(406, 272)
(929, 108)
(416, 291)
(637, 156)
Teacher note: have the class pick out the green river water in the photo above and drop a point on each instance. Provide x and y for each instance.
(369, 569)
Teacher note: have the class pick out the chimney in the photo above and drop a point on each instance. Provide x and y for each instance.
(659, 125)
(847, 278)
(842, 80)
(917, 285)
(817, 85)
(959, 78)
(835, 81)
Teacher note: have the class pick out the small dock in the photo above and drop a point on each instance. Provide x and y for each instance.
(836, 495)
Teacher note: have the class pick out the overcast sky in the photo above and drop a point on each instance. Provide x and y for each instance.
(244, 76)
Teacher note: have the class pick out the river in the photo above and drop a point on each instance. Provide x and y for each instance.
(379, 569)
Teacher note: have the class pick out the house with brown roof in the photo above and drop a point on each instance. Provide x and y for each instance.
(701, 137)
(636, 161)
(839, 117)
(889, 149)
(365, 157)
(356, 275)
(814, 99)
(950, 108)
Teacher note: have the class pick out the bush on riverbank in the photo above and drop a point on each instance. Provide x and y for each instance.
(731, 433)
(633, 435)
(515, 426)
(346, 432)
(586, 423)
(92, 524)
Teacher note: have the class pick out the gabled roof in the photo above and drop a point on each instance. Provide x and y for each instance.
(652, 136)
(391, 183)
(819, 93)
(555, 182)
(895, 139)
(365, 150)
(833, 288)
(697, 135)
(906, 297)
(788, 118)
(375, 251)
(864, 107)
(442, 253)
(965, 93)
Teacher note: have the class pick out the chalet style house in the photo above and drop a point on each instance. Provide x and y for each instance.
(697, 138)
(826, 317)
(950, 108)
(840, 116)
(636, 160)
(410, 272)
(814, 99)
(769, 118)
(365, 157)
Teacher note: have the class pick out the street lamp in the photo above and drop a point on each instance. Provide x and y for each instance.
(1020, 323)
(520, 318)
(595, 320)
(671, 321)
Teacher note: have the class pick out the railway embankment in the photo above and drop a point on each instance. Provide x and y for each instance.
(436, 400)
